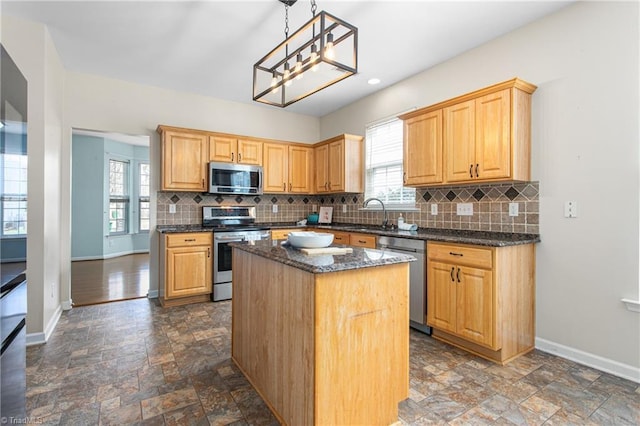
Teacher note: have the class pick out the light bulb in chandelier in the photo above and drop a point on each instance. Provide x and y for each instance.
(329, 50)
(298, 67)
(274, 83)
(287, 75)
(314, 57)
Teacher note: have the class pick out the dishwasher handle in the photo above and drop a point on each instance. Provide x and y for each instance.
(402, 249)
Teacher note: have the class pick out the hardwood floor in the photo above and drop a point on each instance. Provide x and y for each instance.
(101, 281)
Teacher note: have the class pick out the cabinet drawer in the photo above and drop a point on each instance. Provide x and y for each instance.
(363, 240)
(340, 238)
(189, 239)
(282, 234)
(461, 255)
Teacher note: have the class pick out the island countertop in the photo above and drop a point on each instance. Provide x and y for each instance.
(318, 264)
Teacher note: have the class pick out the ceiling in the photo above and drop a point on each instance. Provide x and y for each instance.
(210, 47)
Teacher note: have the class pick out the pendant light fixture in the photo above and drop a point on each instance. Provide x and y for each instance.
(323, 51)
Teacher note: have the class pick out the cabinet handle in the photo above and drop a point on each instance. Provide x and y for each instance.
(290, 186)
(239, 157)
(452, 279)
(456, 254)
(284, 186)
(232, 156)
(188, 240)
(458, 275)
(329, 184)
(325, 185)
(477, 170)
(208, 252)
(471, 171)
(361, 242)
(203, 183)
(404, 177)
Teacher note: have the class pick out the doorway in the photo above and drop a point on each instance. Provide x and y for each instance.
(110, 216)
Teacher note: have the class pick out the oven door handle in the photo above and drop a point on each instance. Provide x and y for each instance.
(229, 239)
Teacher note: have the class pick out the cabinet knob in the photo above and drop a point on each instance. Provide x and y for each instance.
(452, 279)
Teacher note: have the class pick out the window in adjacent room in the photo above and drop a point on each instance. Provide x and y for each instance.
(14, 194)
(143, 200)
(383, 141)
(118, 197)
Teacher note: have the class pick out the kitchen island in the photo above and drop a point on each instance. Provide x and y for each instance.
(322, 338)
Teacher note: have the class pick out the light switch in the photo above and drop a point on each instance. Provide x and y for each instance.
(434, 209)
(513, 209)
(344, 208)
(274, 208)
(571, 209)
(172, 208)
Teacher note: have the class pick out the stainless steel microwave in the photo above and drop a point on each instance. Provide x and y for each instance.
(230, 178)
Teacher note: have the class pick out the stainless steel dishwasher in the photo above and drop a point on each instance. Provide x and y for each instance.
(417, 277)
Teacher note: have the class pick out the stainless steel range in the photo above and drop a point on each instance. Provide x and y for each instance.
(230, 224)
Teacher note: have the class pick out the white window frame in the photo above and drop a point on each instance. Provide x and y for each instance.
(122, 198)
(144, 198)
(376, 161)
(19, 197)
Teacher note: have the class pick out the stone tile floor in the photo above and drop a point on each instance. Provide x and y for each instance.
(134, 362)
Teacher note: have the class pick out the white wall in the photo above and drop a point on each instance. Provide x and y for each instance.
(33, 51)
(584, 60)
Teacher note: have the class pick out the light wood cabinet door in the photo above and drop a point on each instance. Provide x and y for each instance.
(249, 152)
(336, 166)
(223, 149)
(459, 141)
(475, 305)
(321, 155)
(187, 265)
(441, 296)
(276, 167)
(492, 138)
(423, 149)
(184, 161)
(340, 237)
(300, 167)
(362, 240)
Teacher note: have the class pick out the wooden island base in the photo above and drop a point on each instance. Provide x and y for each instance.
(322, 348)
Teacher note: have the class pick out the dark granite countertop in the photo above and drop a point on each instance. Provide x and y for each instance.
(318, 264)
(482, 238)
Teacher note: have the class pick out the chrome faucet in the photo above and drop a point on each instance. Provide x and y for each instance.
(385, 221)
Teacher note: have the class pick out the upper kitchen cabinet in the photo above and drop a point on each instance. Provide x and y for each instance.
(287, 168)
(230, 149)
(423, 149)
(185, 155)
(485, 137)
(340, 164)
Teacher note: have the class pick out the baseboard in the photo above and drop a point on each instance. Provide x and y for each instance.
(616, 368)
(152, 294)
(108, 256)
(67, 304)
(42, 337)
(14, 259)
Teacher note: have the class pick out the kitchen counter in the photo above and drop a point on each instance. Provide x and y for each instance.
(481, 238)
(282, 252)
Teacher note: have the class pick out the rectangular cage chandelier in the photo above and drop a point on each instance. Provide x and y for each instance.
(322, 52)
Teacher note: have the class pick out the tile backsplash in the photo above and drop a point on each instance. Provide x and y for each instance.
(490, 207)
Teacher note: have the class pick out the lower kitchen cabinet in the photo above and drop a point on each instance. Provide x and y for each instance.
(482, 299)
(362, 240)
(186, 266)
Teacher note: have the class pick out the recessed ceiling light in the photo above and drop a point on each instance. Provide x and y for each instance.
(373, 81)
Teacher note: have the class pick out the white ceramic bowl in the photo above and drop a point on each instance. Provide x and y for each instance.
(310, 239)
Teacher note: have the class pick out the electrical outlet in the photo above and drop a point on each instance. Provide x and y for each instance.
(274, 208)
(344, 208)
(571, 209)
(513, 209)
(464, 209)
(172, 208)
(314, 207)
(434, 209)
